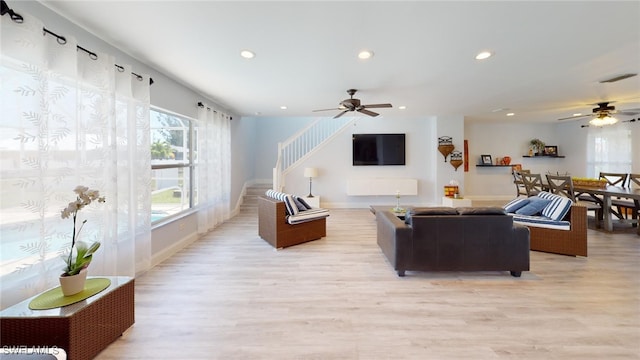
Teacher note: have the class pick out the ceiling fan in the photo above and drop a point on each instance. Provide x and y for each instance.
(352, 104)
(602, 115)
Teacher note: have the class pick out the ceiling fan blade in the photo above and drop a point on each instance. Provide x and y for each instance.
(367, 112)
(370, 106)
(628, 112)
(327, 109)
(342, 113)
(575, 117)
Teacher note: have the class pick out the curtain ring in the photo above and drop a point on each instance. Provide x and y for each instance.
(61, 40)
(120, 68)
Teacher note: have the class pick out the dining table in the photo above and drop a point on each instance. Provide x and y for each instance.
(604, 196)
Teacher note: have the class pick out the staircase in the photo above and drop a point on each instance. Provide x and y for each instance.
(301, 145)
(249, 205)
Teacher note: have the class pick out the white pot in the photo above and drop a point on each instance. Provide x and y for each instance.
(73, 284)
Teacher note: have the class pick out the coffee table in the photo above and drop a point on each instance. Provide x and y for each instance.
(400, 214)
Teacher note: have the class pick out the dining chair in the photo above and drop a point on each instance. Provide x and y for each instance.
(626, 206)
(563, 185)
(517, 180)
(532, 183)
(616, 179)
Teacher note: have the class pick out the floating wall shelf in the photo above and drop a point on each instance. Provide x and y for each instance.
(544, 156)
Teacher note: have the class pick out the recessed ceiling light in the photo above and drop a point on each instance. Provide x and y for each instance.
(483, 55)
(247, 54)
(510, 114)
(283, 107)
(577, 114)
(402, 107)
(365, 54)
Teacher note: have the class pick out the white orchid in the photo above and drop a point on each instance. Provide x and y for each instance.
(84, 252)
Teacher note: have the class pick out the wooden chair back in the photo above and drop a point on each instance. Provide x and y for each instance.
(614, 179)
(634, 180)
(532, 183)
(517, 180)
(561, 185)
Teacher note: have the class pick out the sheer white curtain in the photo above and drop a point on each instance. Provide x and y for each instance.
(213, 168)
(69, 119)
(609, 149)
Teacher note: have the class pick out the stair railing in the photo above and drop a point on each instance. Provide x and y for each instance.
(303, 143)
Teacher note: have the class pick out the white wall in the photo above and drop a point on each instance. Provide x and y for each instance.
(334, 161)
(504, 139)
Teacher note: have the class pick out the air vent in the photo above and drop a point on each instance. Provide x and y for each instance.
(618, 78)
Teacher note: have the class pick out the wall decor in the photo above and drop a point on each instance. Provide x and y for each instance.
(551, 150)
(456, 159)
(445, 146)
(466, 156)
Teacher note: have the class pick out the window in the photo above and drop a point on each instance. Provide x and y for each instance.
(172, 164)
(609, 150)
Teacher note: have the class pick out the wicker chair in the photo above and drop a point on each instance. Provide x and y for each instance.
(572, 242)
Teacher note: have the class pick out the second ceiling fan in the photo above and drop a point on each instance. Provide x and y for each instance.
(352, 104)
(602, 115)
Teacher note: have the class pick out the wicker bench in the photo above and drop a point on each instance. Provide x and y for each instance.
(274, 228)
(566, 242)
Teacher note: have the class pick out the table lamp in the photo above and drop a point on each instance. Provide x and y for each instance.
(310, 173)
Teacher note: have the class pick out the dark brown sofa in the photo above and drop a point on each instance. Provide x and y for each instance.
(450, 239)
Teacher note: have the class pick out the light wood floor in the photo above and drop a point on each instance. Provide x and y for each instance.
(232, 296)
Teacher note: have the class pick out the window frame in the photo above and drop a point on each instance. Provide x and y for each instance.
(189, 164)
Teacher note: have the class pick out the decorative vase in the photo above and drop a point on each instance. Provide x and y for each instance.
(73, 284)
(506, 160)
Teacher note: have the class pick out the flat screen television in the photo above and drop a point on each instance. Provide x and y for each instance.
(378, 149)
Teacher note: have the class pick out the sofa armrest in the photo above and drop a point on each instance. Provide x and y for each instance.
(394, 238)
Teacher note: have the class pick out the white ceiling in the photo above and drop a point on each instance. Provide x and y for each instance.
(549, 56)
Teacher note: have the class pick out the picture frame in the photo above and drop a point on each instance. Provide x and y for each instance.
(551, 150)
(486, 160)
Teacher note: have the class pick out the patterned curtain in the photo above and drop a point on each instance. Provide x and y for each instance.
(213, 168)
(609, 149)
(69, 119)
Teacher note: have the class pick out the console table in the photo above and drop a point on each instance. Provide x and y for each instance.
(82, 329)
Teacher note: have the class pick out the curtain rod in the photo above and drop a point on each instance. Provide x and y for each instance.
(17, 18)
(201, 105)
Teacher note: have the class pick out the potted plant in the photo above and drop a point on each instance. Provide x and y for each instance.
(537, 145)
(80, 254)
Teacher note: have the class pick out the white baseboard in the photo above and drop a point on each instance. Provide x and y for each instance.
(173, 249)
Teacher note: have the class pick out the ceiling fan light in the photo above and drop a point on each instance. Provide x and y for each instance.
(603, 120)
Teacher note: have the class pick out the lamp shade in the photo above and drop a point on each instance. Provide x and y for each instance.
(310, 172)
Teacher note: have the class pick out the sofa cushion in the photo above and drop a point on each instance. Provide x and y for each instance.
(301, 201)
(534, 206)
(484, 210)
(542, 222)
(515, 204)
(557, 208)
(308, 215)
(289, 203)
(436, 210)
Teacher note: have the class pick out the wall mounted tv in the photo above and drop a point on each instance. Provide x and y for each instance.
(378, 149)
